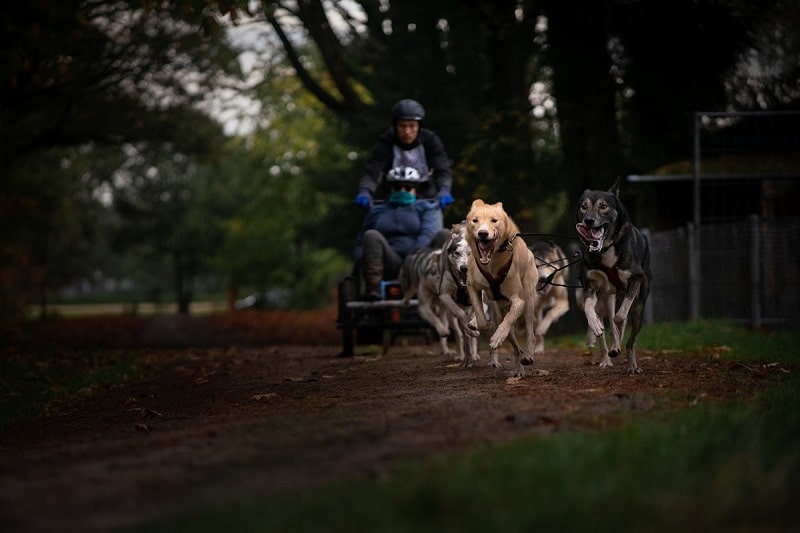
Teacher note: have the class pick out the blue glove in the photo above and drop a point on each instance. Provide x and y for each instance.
(445, 198)
(364, 199)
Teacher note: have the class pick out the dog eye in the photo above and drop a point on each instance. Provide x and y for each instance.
(494, 221)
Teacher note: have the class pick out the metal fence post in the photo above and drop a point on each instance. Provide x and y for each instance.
(755, 271)
(648, 305)
(694, 272)
(695, 229)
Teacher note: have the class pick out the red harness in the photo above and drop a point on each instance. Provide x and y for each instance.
(496, 281)
(612, 273)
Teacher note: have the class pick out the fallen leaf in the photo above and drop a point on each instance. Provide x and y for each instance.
(267, 396)
(145, 412)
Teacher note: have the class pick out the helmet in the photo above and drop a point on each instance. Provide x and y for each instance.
(408, 109)
(405, 175)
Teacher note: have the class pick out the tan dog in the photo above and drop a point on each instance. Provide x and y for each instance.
(503, 269)
(552, 299)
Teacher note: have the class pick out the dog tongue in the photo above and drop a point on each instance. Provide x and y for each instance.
(485, 252)
(592, 236)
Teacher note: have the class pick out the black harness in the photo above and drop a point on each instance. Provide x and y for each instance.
(462, 296)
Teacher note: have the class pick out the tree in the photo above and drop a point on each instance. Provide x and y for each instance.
(278, 198)
(90, 73)
(626, 77)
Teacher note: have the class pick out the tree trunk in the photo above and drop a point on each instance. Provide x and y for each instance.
(585, 95)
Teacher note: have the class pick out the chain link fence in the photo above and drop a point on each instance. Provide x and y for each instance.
(750, 272)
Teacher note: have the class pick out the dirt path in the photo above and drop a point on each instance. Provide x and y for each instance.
(210, 424)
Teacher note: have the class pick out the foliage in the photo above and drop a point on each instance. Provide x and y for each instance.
(278, 199)
(99, 91)
(624, 99)
(84, 78)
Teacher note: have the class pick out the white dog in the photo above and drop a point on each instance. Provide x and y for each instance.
(453, 294)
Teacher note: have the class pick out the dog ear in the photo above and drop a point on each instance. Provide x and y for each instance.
(615, 188)
(477, 203)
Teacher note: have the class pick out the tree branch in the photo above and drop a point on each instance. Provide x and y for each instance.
(328, 99)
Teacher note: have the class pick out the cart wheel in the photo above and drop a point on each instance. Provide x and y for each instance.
(346, 318)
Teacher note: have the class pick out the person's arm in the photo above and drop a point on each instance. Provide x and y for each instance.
(438, 161)
(439, 164)
(429, 223)
(376, 164)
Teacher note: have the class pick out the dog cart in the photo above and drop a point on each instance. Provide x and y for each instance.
(364, 321)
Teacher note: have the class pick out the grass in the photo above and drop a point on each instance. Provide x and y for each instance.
(32, 383)
(710, 468)
(735, 342)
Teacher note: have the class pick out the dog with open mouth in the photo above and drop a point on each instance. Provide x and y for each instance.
(614, 273)
(504, 270)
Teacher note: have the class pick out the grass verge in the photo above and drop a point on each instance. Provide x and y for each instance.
(731, 467)
(33, 382)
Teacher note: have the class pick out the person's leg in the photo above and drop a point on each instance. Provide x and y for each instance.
(392, 262)
(380, 262)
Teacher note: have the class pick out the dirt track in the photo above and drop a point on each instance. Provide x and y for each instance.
(234, 419)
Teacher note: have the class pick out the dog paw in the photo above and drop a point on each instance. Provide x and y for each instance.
(596, 327)
(613, 353)
(634, 369)
(605, 363)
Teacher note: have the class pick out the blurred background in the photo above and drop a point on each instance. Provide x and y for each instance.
(197, 153)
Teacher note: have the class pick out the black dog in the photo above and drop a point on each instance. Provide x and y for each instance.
(616, 263)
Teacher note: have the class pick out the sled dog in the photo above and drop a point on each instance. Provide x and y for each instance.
(503, 268)
(453, 295)
(614, 273)
(552, 298)
(420, 275)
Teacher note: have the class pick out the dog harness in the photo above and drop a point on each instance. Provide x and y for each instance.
(496, 281)
(462, 296)
(612, 273)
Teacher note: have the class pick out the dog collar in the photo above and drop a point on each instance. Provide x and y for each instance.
(506, 246)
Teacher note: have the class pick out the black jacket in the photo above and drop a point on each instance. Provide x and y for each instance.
(381, 158)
